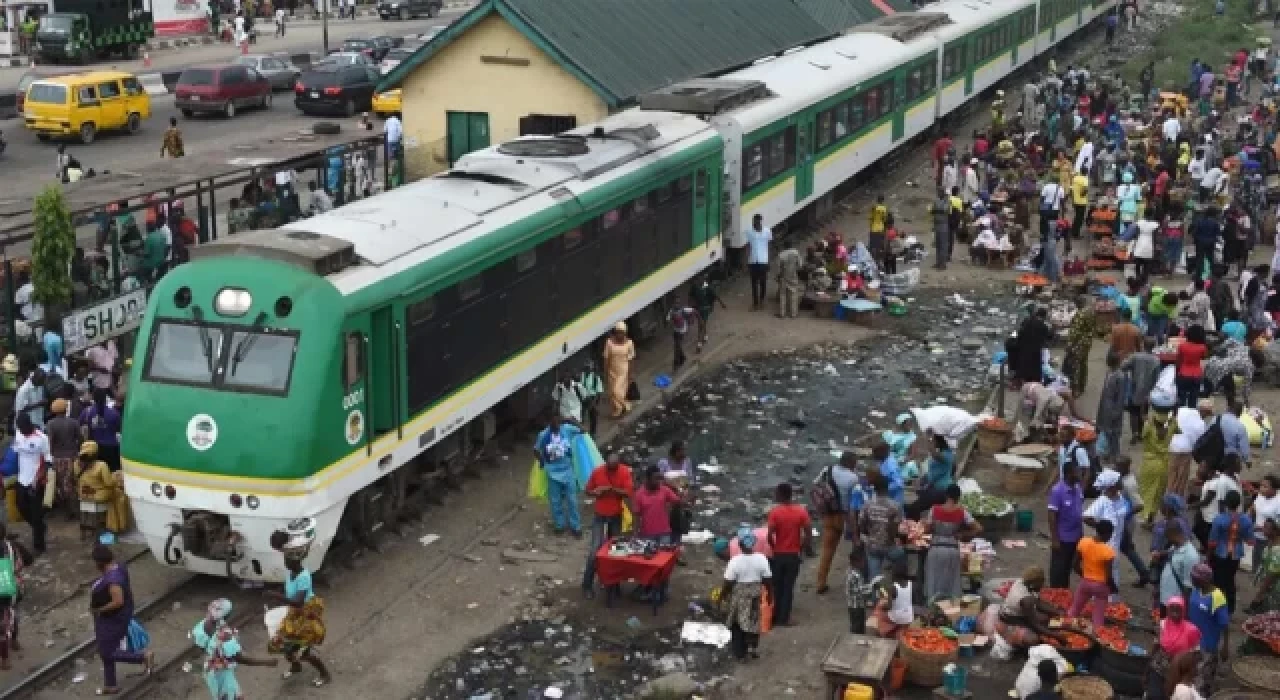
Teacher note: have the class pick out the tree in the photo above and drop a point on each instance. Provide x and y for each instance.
(52, 249)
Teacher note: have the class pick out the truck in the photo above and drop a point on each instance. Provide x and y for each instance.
(81, 31)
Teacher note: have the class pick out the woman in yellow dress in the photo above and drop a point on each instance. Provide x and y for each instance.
(103, 504)
(619, 351)
(1154, 475)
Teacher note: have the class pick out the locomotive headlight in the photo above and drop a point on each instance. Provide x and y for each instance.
(232, 302)
(156, 489)
(252, 502)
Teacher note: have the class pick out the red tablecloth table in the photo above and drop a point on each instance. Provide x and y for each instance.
(653, 572)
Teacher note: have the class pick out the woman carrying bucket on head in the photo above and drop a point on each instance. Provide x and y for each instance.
(221, 643)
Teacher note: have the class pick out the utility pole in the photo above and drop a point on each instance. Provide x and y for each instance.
(324, 27)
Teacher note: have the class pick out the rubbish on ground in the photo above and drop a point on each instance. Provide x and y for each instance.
(428, 540)
(711, 633)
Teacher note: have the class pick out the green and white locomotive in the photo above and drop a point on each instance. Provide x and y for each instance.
(335, 368)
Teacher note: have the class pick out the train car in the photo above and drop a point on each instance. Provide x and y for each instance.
(985, 41)
(333, 367)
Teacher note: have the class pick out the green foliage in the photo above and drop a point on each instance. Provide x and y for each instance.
(1197, 33)
(52, 249)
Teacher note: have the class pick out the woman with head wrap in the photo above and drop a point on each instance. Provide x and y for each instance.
(1268, 597)
(1112, 506)
(1154, 475)
(901, 438)
(619, 351)
(221, 643)
(745, 579)
(64, 443)
(303, 628)
(103, 503)
(1177, 637)
(1207, 610)
(1080, 334)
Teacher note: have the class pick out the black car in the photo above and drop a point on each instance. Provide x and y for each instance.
(334, 89)
(368, 47)
(408, 9)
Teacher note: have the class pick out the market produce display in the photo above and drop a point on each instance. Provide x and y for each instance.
(1059, 598)
(982, 505)
(1119, 612)
(1264, 627)
(1113, 637)
(1072, 641)
(913, 532)
(929, 640)
(995, 423)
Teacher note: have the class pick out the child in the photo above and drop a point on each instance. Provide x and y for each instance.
(893, 609)
(1093, 563)
(893, 248)
(857, 591)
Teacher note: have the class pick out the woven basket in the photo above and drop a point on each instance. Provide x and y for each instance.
(924, 669)
(1085, 688)
(1258, 671)
(1020, 482)
(993, 441)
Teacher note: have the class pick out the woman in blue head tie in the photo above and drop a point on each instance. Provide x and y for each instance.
(746, 578)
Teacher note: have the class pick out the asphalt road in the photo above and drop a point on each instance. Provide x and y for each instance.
(300, 37)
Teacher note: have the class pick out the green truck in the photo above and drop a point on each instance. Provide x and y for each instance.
(81, 31)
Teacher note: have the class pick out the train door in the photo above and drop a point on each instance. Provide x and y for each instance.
(383, 395)
(1013, 30)
(899, 105)
(705, 223)
(804, 157)
(1080, 13)
(355, 383)
(970, 53)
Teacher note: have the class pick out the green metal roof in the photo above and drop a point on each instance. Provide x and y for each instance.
(839, 15)
(625, 48)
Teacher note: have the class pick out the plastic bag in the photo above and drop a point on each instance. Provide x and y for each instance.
(136, 638)
(586, 457)
(1001, 650)
(537, 482)
(1103, 443)
(766, 612)
(628, 520)
(273, 619)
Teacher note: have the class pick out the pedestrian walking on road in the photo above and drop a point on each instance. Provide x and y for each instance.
(681, 317)
(790, 288)
(746, 579)
(172, 144)
(789, 535)
(758, 239)
(941, 212)
(221, 644)
(303, 627)
(34, 459)
(705, 298)
(554, 448)
(19, 557)
(835, 483)
(279, 21)
(111, 602)
(619, 352)
(1066, 524)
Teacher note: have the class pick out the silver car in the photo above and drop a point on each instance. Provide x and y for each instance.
(345, 58)
(278, 71)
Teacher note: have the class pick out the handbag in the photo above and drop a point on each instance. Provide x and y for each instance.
(633, 391)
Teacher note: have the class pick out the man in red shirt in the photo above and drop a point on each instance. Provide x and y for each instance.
(789, 533)
(610, 484)
(940, 149)
(1160, 191)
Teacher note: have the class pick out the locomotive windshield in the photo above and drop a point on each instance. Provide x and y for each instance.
(223, 357)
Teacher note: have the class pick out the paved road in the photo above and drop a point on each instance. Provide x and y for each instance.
(305, 36)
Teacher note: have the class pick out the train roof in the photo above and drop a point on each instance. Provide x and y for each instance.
(806, 76)
(968, 15)
(487, 190)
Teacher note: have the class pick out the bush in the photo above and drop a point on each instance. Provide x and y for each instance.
(52, 249)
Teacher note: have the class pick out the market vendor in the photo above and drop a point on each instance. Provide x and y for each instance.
(900, 439)
(1023, 620)
(1177, 637)
(939, 475)
(949, 523)
(1268, 597)
(949, 422)
(893, 611)
(1042, 406)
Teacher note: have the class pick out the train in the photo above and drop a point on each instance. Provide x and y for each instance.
(336, 373)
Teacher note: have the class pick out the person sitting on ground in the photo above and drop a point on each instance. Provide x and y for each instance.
(985, 244)
(893, 611)
(1023, 619)
(1047, 670)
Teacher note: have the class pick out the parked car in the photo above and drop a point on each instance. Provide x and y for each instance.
(82, 104)
(368, 47)
(408, 9)
(393, 59)
(336, 90)
(222, 89)
(387, 103)
(345, 58)
(280, 72)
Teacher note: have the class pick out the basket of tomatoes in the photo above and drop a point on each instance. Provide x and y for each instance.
(1265, 628)
(1075, 647)
(1118, 613)
(926, 651)
(1058, 599)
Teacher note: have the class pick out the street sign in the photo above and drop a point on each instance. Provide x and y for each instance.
(107, 319)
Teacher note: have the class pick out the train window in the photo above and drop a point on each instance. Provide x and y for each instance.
(684, 184)
(873, 103)
(928, 77)
(421, 311)
(753, 166)
(662, 194)
(842, 120)
(913, 84)
(700, 189)
(857, 112)
(778, 160)
(886, 98)
(826, 131)
(640, 204)
(470, 288)
(572, 239)
(610, 219)
(353, 361)
(526, 260)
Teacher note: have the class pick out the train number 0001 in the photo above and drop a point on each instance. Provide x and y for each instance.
(353, 400)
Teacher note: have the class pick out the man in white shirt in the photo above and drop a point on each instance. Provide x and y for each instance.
(34, 458)
(1084, 161)
(1050, 207)
(395, 132)
(1211, 183)
(758, 238)
(1196, 167)
(29, 398)
(280, 21)
(320, 200)
(1172, 127)
(102, 363)
(24, 298)
(984, 243)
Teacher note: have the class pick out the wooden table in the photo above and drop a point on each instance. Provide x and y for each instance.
(857, 658)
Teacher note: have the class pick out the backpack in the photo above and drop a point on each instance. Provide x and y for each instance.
(824, 496)
(1210, 447)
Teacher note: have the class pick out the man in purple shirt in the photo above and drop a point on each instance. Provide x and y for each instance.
(1066, 525)
(1206, 83)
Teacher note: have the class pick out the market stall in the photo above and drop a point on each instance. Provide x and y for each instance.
(637, 560)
